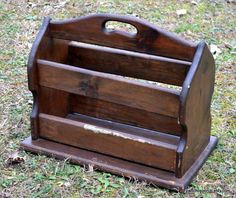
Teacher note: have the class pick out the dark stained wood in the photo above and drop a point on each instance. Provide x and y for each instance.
(149, 39)
(125, 63)
(108, 87)
(120, 124)
(123, 114)
(121, 167)
(109, 141)
(37, 46)
(53, 102)
(195, 107)
(43, 47)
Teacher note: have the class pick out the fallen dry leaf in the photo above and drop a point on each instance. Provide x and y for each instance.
(181, 12)
(14, 158)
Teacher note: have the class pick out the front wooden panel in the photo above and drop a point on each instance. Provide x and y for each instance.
(112, 142)
(109, 88)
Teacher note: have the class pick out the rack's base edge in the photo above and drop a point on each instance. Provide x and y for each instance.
(118, 166)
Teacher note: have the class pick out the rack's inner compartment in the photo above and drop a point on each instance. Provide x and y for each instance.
(102, 97)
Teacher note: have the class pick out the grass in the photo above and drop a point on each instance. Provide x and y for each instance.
(39, 176)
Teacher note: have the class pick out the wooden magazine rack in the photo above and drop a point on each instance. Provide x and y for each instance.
(90, 107)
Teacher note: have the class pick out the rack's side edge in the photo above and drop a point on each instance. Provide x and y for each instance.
(31, 66)
(33, 76)
(195, 102)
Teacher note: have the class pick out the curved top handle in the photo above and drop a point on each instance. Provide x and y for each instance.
(139, 24)
(149, 38)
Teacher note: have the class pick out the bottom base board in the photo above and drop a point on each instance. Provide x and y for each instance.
(118, 166)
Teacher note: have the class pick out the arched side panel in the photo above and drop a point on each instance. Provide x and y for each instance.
(50, 49)
(31, 67)
(149, 38)
(33, 77)
(195, 105)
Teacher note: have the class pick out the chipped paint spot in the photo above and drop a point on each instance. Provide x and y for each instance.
(101, 130)
(188, 86)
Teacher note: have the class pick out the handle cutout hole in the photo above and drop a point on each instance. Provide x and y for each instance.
(111, 26)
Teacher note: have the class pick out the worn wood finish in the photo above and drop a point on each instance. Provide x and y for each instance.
(172, 140)
(123, 114)
(113, 142)
(147, 67)
(84, 107)
(149, 39)
(109, 88)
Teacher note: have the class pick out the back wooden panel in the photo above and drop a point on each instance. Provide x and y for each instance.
(126, 63)
(123, 114)
(53, 102)
(109, 88)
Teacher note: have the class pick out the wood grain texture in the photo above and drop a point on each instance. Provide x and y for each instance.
(109, 141)
(53, 102)
(109, 88)
(149, 39)
(123, 114)
(126, 63)
(195, 107)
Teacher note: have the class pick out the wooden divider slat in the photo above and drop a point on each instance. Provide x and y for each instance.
(111, 142)
(109, 88)
(126, 63)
